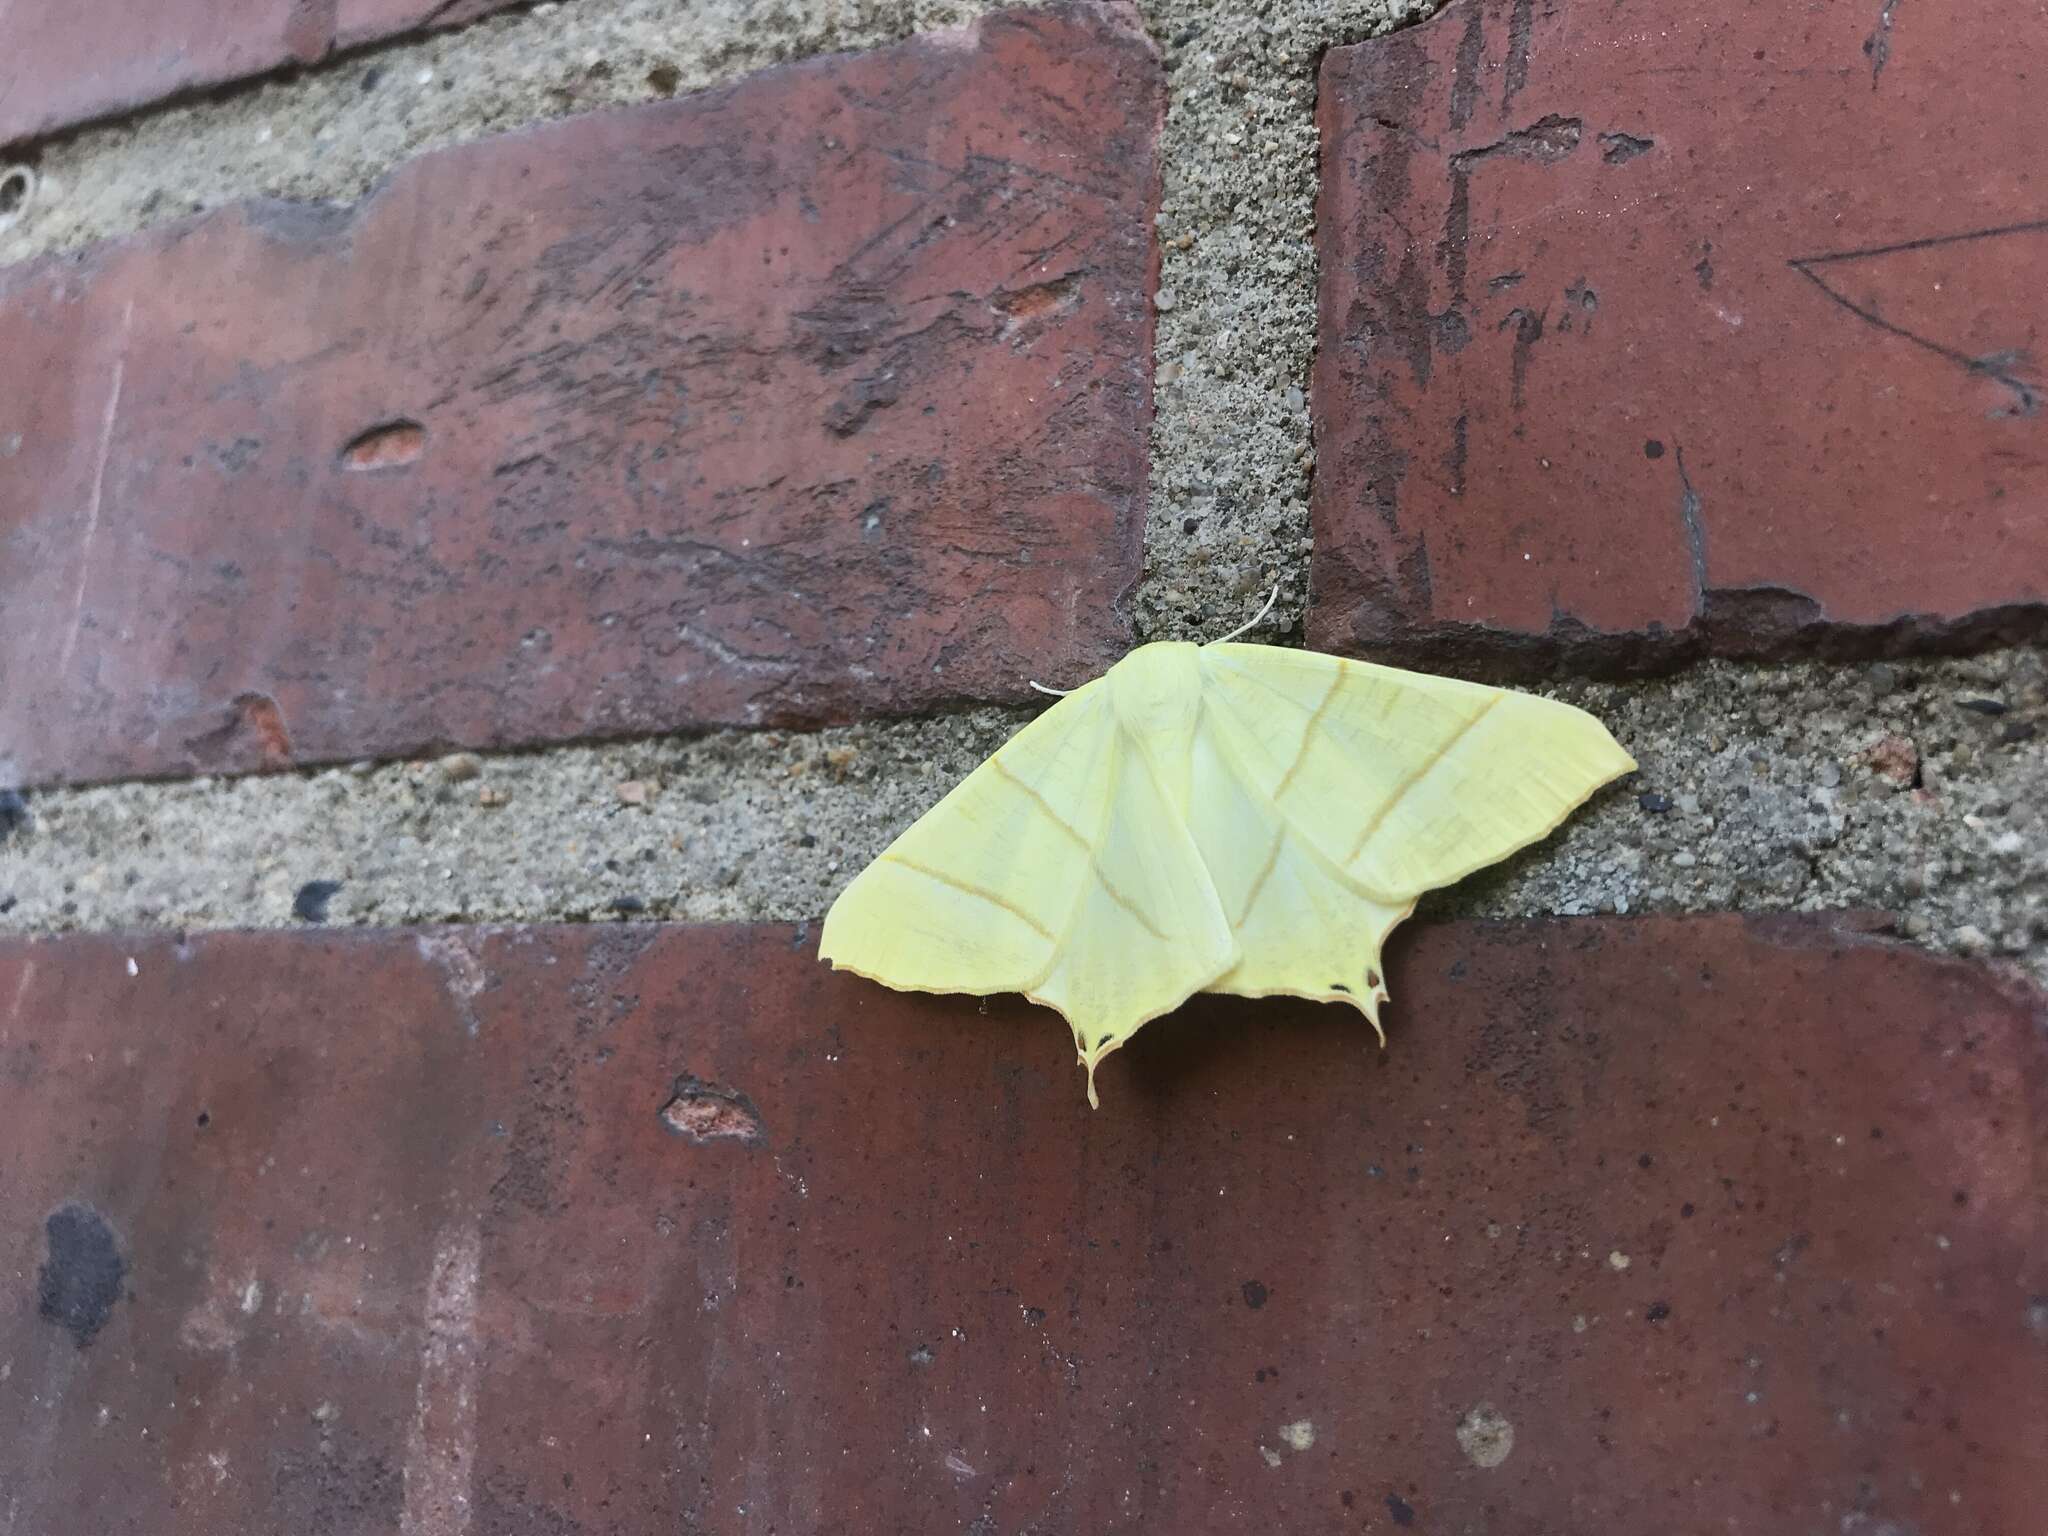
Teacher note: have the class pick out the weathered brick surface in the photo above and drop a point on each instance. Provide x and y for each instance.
(1708, 327)
(1735, 1226)
(65, 64)
(817, 396)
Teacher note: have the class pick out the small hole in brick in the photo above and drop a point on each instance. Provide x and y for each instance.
(390, 445)
(665, 78)
(17, 186)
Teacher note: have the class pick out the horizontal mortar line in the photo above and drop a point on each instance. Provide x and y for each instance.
(230, 92)
(568, 791)
(1675, 676)
(570, 30)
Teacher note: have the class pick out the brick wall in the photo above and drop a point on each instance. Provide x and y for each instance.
(605, 462)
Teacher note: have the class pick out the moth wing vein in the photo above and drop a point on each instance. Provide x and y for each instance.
(1308, 736)
(993, 898)
(1422, 771)
(1009, 776)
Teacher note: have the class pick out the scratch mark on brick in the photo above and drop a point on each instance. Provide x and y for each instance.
(1878, 46)
(440, 1451)
(1515, 75)
(99, 483)
(1528, 324)
(21, 986)
(1546, 141)
(1689, 505)
(1465, 71)
(2001, 367)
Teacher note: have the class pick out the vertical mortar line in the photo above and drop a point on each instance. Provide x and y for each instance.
(1232, 458)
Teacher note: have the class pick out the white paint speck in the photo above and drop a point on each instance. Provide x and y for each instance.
(1617, 1260)
(1485, 1436)
(1299, 1435)
(133, 968)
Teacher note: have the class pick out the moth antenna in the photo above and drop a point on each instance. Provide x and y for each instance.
(1058, 693)
(1256, 618)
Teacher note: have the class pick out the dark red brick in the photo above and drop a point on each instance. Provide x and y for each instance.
(1711, 328)
(68, 64)
(823, 395)
(653, 1228)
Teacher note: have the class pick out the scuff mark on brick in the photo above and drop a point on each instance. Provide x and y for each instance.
(440, 1450)
(253, 717)
(388, 445)
(464, 973)
(80, 1279)
(704, 1112)
(1620, 148)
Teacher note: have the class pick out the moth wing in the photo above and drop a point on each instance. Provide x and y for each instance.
(1304, 927)
(1058, 869)
(1368, 786)
(973, 895)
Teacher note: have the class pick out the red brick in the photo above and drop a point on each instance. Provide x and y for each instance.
(670, 1228)
(1715, 330)
(68, 64)
(823, 395)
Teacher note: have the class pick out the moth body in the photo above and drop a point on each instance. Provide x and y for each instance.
(1156, 695)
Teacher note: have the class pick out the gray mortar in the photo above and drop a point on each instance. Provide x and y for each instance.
(1231, 453)
(1772, 804)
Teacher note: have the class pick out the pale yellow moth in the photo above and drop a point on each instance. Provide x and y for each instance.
(1223, 818)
